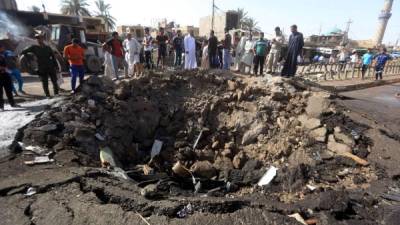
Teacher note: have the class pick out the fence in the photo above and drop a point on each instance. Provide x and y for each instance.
(344, 71)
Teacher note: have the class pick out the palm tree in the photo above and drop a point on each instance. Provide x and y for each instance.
(250, 24)
(242, 16)
(75, 7)
(35, 8)
(104, 12)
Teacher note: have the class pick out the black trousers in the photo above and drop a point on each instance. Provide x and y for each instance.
(6, 84)
(148, 59)
(364, 69)
(259, 61)
(44, 77)
(379, 72)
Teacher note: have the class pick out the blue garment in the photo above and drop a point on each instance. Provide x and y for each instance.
(17, 76)
(75, 72)
(367, 58)
(227, 59)
(381, 60)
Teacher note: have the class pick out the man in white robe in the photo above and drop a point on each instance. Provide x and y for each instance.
(132, 48)
(240, 52)
(190, 51)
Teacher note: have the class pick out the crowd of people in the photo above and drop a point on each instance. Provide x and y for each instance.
(241, 53)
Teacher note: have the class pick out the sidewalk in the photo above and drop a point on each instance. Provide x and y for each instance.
(353, 84)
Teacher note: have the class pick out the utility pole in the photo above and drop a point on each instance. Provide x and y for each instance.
(213, 15)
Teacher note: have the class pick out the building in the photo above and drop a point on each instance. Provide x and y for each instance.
(331, 39)
(137, 31)
(229, 20)
(8, 5)
(185, 30)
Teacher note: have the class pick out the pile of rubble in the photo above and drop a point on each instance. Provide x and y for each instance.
(208, 126)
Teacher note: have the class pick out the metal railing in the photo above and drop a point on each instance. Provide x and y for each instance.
(344, 71)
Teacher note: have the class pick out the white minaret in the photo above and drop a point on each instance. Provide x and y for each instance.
(383, 21)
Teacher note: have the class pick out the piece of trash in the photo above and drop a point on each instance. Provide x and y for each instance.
(312, 221)
(91, 103)
(39, 160)
(311, 188)
(143, 219)
(156, 149)
(31, 191)
(197, 187)
(107, 158)
(34, 149)
(299, 218)
(147, 170)
(197, 140)
(99, 137)
(357, 159)
(180, 170)
(119, 173)
(268, 176)
(355, 134)
(187, 210)
(392, 197)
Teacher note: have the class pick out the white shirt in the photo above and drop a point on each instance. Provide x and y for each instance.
(148, 39)
(354, 58)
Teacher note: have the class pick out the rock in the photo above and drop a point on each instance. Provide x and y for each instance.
(123, 92)
(317, 104)
(251, 135)
(277, 94)
(203, 169)
(227, 153)
(46, 128)
(319, 134)
(230, 145)
(149, 191)
(231, 85)
(83, 134)
(223, 164)
(309, 123)
(239, 160)
(343, 137)
(215, 145)
(336, 147)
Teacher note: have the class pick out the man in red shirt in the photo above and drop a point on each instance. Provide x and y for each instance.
(117, 52)
(75, 55)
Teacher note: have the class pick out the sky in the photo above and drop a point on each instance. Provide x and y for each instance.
(311, 16)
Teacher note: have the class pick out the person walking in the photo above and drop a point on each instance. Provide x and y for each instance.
(117, 52)
(162, 41)
(47, 64)
(213, 50)
(11, 61)
(381, 60)
(295, 48)
(260, 49)
(366, 62)
(5, 81)
(132, 48)
(75, 55)
(276, 48)
(148, 48)
(227, 58)
(190, 51)
(178, 47)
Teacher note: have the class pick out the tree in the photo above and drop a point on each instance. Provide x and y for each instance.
(242, 16)
(250, 24)
(103, 11)
(35, 8)
(75, 7)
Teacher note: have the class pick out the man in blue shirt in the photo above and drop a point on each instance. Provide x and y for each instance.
(381, 60)
(366, 62)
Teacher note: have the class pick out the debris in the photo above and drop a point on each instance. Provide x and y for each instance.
(39, 160)
(311, 188)
(355, 134)
(392, 196)
(156, 149)
(143, 219)
(180, 170)
(319, 134)
(187, 210)
(312, 221)
(99, 137)
(268, 176)
(336, 147)
(31, 191)
(34, 149)
(299, 218)
(107, 158)
(357, 159)
(203, 169)
(197, 140)
(91, 103)
(118, 172)
(147, 170)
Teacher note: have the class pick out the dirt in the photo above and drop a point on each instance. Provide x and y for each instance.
(246, 125)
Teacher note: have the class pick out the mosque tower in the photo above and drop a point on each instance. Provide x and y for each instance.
(383, 21)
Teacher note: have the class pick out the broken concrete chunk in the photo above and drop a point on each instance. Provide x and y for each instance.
(336, 147)
(309, 123)
(231, 85)
(239, 160)
(319, 134)
(317, 104)
(203, 169)
(251, 135)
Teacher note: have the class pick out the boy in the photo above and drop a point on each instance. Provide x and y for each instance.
(381, 60)
(75, 55)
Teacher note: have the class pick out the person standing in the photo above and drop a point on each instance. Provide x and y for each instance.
(227, 50)
(117, 52)
(47, 64)
(75, 55)
(205, 65)
(11, 61)
(162, 41)
(5, 81)
(260, 50)
(295, 47)
(148, 48)
(381, 60)
(366, 62)
(132, 48)
(276, 49)
(248, 56)
(108, 63)
(178, 46)
(213, 50)
(190, 51)
(354, 59)
(240, 51)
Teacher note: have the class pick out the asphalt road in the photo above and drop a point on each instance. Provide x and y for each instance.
(378, 103)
